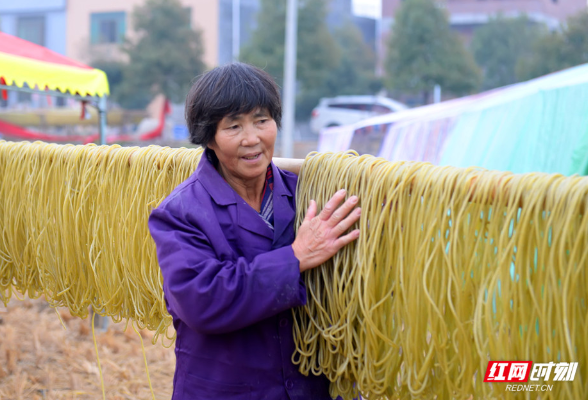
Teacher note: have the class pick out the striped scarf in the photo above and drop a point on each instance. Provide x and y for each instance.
(267, 202)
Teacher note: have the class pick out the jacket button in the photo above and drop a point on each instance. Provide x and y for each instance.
(289, 384)
(283, 322)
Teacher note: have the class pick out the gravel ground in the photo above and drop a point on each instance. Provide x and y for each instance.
(39, 359)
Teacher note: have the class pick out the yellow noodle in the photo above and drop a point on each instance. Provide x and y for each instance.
(73, 225)
(145, 360)
(453, 268)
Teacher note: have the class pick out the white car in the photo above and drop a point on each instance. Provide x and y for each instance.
(345, 110)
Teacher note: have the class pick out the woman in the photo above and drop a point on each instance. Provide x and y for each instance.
(225, 240)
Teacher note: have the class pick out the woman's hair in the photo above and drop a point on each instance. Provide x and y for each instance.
(229, 90)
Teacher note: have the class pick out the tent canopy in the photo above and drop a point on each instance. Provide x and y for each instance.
(540, 125)
(25, 62)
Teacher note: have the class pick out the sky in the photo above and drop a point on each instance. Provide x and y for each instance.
(367, 8)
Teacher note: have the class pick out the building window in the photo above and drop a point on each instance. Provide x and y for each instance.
(107, 27)
(31, 29)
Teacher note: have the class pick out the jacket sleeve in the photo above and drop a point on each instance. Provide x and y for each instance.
(213, 296)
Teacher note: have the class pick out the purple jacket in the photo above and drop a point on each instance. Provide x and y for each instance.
(229, 284)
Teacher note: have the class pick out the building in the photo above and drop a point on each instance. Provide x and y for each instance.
(341, 11)
(245, 21)
(368, 28)
(87, 30)
(38, 21)
(338, 12)
(467, 15)
(95, 29)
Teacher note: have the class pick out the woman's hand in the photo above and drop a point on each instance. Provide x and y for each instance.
(320, 237)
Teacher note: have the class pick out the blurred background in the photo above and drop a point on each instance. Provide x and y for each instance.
(383, 56)
(501, 84)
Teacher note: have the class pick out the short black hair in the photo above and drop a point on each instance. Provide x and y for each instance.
(229, 90)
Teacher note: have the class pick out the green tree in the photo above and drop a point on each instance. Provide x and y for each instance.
(114, 72)
(266, 48)
(355, 71)
(423, 51)
(555, 51)
(576, 35)
(547, 55)
(166, 56)
(317, 52)
(500, 45)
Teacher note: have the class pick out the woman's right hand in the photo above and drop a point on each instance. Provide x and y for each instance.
(321, 236)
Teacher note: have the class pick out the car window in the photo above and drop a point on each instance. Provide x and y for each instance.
(343, 105)
(349, 106)
(380, 109)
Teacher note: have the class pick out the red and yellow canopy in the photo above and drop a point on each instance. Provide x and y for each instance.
(25, 62)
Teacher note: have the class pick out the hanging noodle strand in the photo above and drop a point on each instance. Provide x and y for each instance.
(453, 267)
(73, 226)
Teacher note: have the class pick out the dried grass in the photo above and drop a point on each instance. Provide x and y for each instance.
(40, 360)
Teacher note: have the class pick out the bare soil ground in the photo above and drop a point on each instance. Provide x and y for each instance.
(39, 359)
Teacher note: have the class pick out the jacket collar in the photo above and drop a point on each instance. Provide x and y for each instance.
(284, 214)
(220, 191)
(247, 218)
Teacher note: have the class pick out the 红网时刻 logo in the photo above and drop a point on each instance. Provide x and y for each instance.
(523, 371)
(508, 371)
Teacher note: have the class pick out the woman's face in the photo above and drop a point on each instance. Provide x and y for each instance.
(244, 144)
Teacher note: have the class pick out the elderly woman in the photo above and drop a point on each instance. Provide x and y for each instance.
(230, 260)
